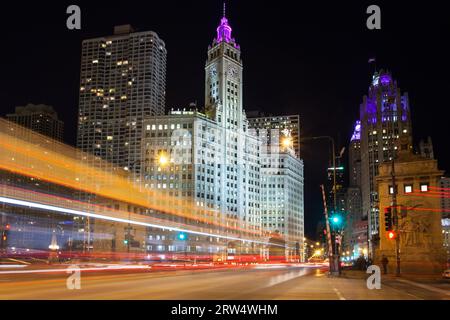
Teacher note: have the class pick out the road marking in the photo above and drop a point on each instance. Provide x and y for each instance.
(339, 294)
(425, 286)
(274, 280)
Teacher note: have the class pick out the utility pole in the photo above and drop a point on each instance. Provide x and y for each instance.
(327, 223)
(394, 200)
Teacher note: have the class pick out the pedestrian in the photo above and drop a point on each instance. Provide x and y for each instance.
(385, 262)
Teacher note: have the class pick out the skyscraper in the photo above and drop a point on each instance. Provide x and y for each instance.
(356, 229)
(385, 117)
(209, 158)
(123, 81)
(354, 155)
(282, 203)
(286, 128)
(39, 118)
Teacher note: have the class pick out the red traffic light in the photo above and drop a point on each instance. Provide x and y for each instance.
(8, 226)
(391, 235)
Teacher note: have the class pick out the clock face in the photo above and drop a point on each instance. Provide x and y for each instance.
(213, 71)
(232, 72)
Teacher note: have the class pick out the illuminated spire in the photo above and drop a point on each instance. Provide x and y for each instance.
(224, 30)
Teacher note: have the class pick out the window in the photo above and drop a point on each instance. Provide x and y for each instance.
(424, 187)
(391, 189)
(408, 188)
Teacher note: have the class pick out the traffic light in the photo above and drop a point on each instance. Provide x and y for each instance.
(388, 219)
(4, 235)
(336, 221)
(392, 235)
(182, 236)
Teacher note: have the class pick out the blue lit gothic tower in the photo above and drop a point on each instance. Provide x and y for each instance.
(385, 118)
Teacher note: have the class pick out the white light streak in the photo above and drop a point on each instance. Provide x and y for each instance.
(127, 221)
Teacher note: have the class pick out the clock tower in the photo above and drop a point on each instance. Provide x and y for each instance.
(223, 79)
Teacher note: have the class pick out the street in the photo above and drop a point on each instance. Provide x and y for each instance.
(261, 282)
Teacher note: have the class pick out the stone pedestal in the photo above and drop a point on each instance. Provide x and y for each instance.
(419, 211)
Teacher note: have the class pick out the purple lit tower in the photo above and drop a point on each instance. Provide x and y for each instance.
(385, 117)
(223, 79)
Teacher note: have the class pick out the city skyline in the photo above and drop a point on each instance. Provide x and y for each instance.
(345, 82)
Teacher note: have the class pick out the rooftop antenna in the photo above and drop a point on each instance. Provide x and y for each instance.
(224, 8)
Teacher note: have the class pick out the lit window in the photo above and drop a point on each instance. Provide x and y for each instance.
(109, 138)
(424, 187)
(408, 188)
(391, 190)
(94, 61)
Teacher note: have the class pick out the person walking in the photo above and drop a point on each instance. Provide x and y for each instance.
(385, 262)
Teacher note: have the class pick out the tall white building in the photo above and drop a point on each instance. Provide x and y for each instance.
(285, 129)
(282, 203)
(123, 81)
(210, 159)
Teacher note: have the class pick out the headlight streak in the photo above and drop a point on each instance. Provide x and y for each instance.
(126, 221)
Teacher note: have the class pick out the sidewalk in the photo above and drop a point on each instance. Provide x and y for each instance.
(430, 282)
(418, 277)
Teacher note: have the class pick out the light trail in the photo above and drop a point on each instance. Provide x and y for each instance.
(71, 268)
(27, 153)
(30, 204)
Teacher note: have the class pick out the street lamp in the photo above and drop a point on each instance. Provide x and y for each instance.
(163, 159)
(287, 142)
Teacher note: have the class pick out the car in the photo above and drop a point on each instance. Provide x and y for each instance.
(446, 274)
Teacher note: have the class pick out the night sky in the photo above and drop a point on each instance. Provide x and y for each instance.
(299, 58)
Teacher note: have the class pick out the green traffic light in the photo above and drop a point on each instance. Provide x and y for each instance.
(336, 220)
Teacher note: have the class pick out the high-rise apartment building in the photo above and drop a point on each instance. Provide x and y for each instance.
(39, 118)
(123, 81)
(355, 238)
(354, 155)
(282, 203)
(385, 117)
(284, 128)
